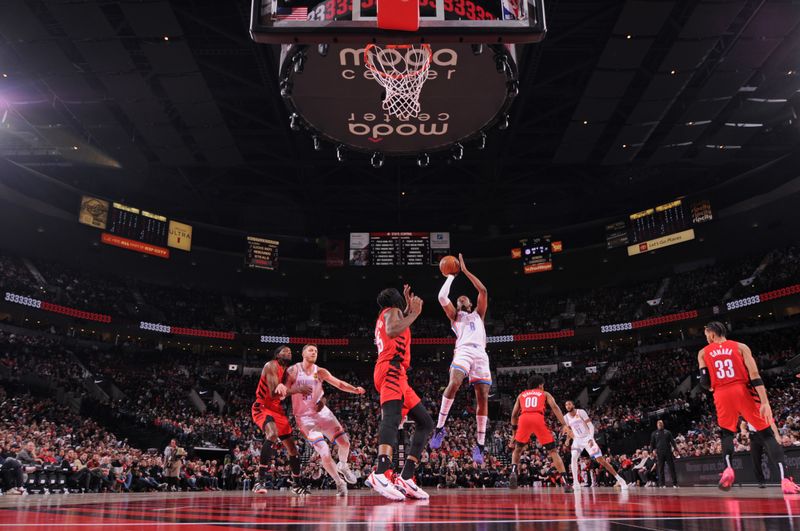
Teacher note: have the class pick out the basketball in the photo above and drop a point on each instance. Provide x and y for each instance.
(449, 265)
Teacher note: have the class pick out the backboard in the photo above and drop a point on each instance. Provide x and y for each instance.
(355, 21)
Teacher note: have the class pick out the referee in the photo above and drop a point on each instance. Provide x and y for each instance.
(663, 443)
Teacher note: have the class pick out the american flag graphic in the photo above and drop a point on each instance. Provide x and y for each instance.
(291, 13)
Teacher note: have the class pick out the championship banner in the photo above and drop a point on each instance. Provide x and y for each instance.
(659, 243)
(94, 212)
(180, 236)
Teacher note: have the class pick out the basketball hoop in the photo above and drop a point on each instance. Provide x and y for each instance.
(401, 69)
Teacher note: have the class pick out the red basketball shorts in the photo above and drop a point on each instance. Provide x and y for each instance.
(263, 414)
(735, 400)
(391, 382)
(533, 424)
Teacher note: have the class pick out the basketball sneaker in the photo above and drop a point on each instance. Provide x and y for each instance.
(513, 481)
(788, 486)
(477, 454)
(299, 488)
(381, 484)
(345, 473)
(622, 484)
(567, 488)
(410, 488)
(260, 488)
(341, 489)
(727, 478)
(438, 437)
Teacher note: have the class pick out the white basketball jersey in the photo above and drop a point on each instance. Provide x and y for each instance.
(469, 330)
(306, 405)
(579, 423)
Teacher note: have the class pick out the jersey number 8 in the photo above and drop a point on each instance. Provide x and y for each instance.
(531, 401)
(724, 368)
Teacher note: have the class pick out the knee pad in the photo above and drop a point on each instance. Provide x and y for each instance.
(391, 417)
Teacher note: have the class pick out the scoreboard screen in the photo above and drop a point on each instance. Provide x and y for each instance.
(398, 248)
(139, 225)
(537, 254)
(662, 226)
(658, 222)
(261, 253)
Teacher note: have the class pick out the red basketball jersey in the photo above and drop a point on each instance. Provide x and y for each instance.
(397, 349)
(263, 394)
(532, 401)
(725, 364)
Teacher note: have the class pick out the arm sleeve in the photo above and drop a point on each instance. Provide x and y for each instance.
(444, 300)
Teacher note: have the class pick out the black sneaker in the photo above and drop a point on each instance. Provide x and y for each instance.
(512, 481)
(260, 488)
(299, 489)
(568, 488)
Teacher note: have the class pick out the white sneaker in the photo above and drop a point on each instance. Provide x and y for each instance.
(381, 484)
(622, 484)
(341, 489)
(577, 486)
(410, 489)
(345, 473)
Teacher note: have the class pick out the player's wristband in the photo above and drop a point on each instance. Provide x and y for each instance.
(514, 425)
(705, 379)
(757, 382)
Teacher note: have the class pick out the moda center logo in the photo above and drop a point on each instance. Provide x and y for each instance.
(338, 95)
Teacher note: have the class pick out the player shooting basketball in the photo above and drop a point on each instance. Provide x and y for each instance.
(469, 358)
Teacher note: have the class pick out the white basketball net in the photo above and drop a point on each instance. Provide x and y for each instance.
(401, 69)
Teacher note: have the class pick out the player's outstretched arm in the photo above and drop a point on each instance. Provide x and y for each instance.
(396, 322)
(326, 376)
(515, 414)
(557, 411)
(483, 293)
(756, 381)
(444, 298)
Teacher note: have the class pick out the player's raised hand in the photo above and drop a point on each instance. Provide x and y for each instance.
(408, 295)
(415, 305)
(461, 262)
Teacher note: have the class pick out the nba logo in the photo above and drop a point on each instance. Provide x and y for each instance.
(511, 10)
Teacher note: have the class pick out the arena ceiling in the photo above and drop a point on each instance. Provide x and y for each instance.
(170, 105)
